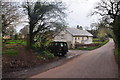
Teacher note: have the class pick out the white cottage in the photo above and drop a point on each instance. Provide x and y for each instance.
(74, 35)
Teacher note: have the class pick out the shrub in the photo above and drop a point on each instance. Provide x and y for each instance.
(48, 54)
(41, 57)
(45, 55)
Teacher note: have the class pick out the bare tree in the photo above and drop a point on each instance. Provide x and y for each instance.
(9, 15)
(44, 17)
(110, 11)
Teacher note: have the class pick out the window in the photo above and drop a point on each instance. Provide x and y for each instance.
(61, 45)
(62, 36)
(75, 38)
(82, 38)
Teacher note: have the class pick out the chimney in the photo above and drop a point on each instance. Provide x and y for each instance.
(79, 27)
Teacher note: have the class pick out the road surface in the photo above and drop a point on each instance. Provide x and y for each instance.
(99, 63)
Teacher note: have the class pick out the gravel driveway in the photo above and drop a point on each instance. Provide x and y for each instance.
(99, 63)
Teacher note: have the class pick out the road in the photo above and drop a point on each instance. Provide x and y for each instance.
(99, 63)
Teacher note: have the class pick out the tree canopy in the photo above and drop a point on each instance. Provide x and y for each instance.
(9, 15)
(110, 12)
(44, 18)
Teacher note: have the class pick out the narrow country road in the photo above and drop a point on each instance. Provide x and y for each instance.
(99, 63)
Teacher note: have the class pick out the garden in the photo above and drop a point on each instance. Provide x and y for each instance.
(16, 56)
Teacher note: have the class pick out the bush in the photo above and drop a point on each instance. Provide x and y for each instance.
(47, 54)
(41, 57)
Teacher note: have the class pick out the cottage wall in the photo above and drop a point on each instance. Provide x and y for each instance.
(71, 40)
(60, 37)
(90, 40)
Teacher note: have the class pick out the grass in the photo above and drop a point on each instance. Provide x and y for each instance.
(10, 49)
(10, 52)
(94, 47)
(20, 42)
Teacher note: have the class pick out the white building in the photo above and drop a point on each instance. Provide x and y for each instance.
(73, 36)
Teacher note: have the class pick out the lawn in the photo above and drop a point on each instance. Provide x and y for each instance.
(20, 42)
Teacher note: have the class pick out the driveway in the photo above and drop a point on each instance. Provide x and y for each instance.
(99, 63)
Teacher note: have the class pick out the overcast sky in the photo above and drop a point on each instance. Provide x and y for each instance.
(78, 11)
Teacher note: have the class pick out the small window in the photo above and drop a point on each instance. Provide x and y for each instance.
(75, 38)
(61, 44)
(65, 44)
(62, 36)
(82, 38)
(87, 37)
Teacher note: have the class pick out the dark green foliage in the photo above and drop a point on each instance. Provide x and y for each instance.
(48, 54)
(16, 36)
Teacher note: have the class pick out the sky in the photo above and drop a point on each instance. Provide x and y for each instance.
(78, 12)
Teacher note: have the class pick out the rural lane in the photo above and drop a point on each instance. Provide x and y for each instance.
(99, 63)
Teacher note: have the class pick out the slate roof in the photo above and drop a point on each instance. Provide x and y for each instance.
(78, 32)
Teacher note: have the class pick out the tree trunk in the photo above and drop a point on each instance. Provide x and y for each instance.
(30, 39)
